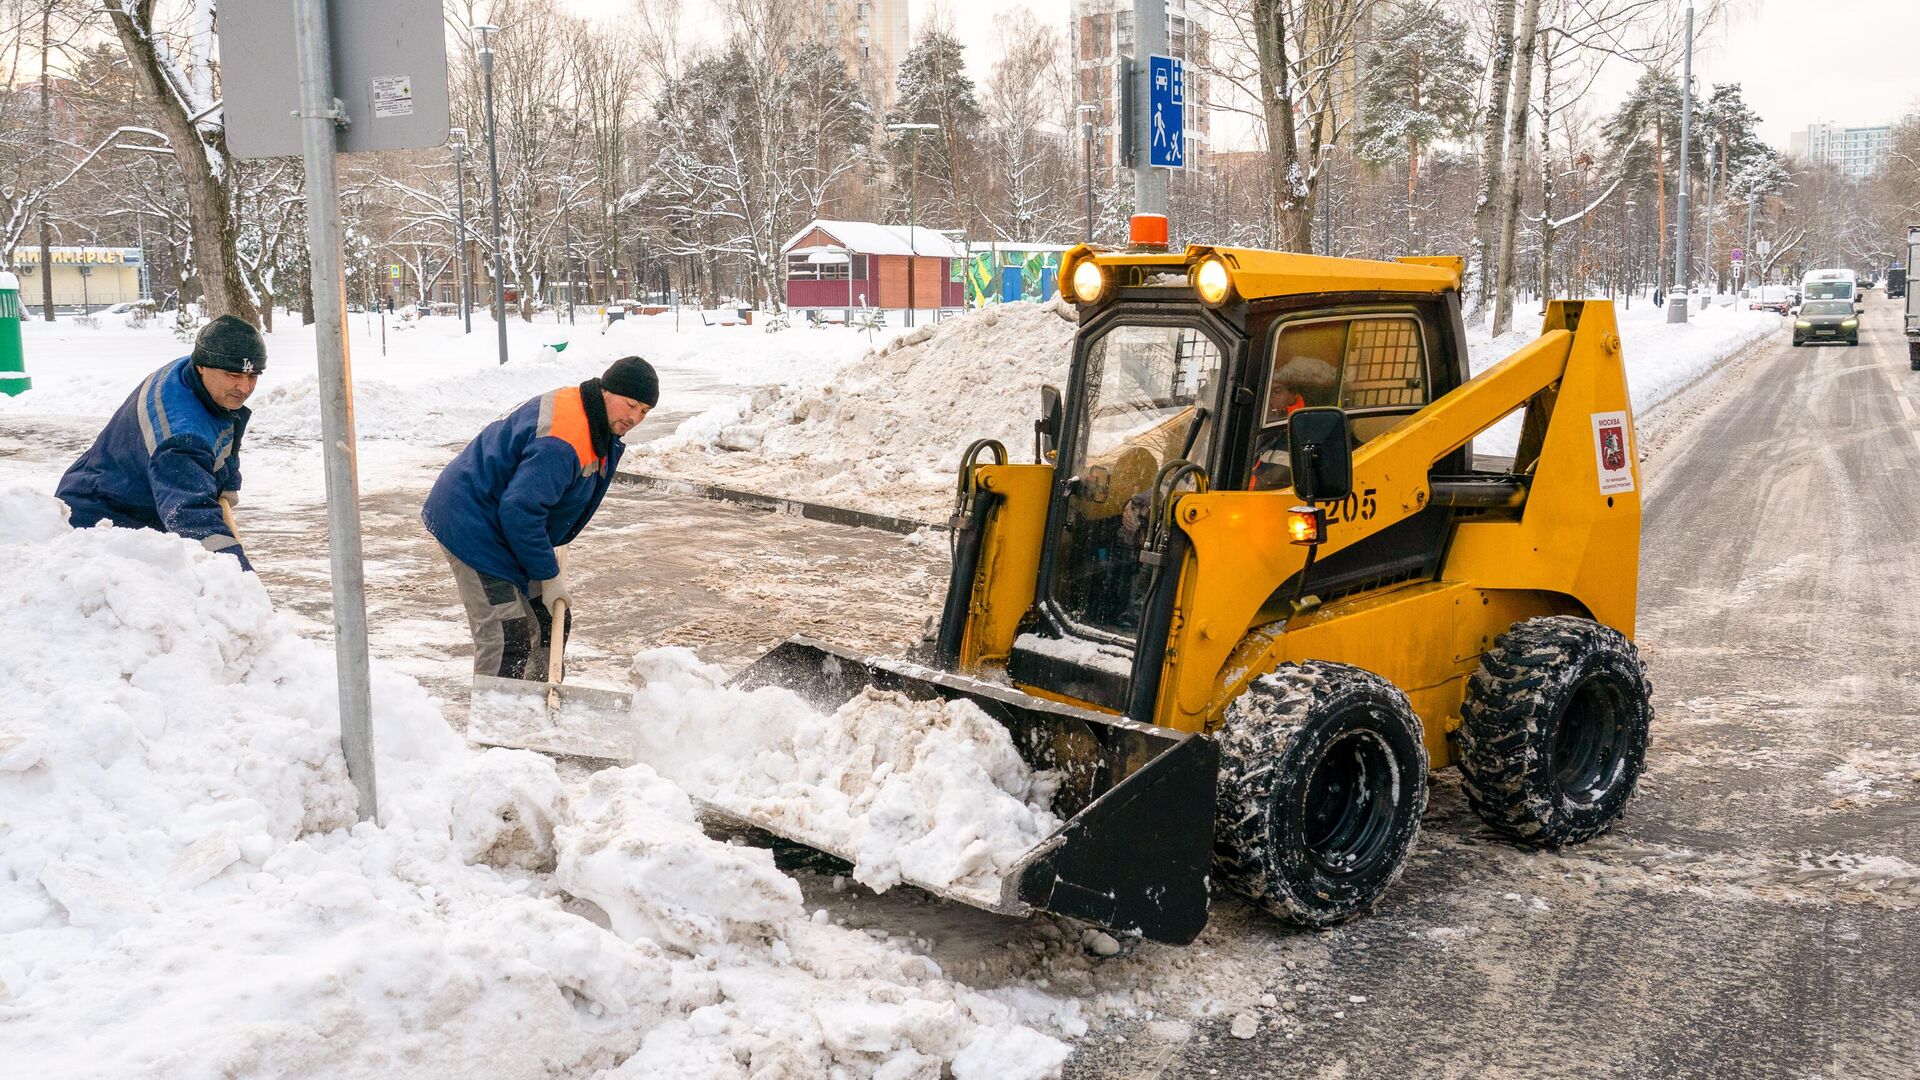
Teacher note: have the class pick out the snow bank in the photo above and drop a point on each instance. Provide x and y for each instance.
(927, 791)
(184, 891)
(429, 382)
(1661, 358)
(886, 431)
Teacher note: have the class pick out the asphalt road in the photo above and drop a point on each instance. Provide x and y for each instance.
(1757, 914)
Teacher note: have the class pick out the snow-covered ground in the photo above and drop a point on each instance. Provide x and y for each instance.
(432, 384)
(184, 891)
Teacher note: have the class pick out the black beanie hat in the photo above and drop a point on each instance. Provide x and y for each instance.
(632, 377)
(230, 343)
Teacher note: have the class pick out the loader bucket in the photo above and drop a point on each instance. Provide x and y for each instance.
(1135, 846)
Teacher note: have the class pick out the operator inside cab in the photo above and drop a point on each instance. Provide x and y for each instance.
(1299, 379)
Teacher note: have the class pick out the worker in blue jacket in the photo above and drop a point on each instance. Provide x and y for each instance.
(507, 506)
(170, 457)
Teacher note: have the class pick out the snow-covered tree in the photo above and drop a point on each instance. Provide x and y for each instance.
(933, 88)
(175, 71)
(1419, 88)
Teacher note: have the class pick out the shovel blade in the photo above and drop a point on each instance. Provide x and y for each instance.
(581, 721)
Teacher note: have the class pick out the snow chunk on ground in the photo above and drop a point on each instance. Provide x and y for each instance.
(637, 851)
(932, 792)
(185, 893)
(886, 431)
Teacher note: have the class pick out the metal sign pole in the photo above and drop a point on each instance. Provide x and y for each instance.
(1149, 38)
(320, 117)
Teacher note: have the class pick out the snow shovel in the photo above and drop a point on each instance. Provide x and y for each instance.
(550, 717)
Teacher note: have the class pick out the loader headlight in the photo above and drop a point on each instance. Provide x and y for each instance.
(1804, 324)
(1307, 525)
(1089, 281)
(1212, 281)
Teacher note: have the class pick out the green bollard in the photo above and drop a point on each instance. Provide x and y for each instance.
(13, 359)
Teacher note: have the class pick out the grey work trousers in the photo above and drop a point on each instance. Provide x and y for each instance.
(512, 630)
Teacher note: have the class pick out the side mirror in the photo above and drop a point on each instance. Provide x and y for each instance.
(1046, 430)
(1320, 448)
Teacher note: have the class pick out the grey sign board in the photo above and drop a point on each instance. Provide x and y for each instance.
(389, 70)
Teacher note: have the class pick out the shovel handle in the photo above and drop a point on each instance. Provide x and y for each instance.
(556, 650)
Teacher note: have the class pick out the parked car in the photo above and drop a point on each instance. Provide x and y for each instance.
(1775, 298)
(1896, 282)
(1827, 320)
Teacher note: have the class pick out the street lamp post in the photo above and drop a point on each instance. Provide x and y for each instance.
(913, 184)
(566, 241)
(485, 47)
(1677, 313)
(1086, 133)
(457, 142)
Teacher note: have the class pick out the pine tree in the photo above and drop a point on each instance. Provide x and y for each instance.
(1419, 89)
(934, 88)
(1644, 136)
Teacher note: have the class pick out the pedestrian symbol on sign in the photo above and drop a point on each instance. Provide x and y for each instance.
(1166, 93)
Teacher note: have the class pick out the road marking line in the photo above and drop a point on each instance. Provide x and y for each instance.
(1906, 409)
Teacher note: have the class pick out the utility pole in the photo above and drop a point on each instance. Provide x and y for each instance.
(485, 47)
(1086, 134)
(913, 186)
(1149, 39)
(1677, 312)
(457, 142)
(566, 241)
(320, 122)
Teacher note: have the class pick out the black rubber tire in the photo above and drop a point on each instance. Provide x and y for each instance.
(1301, 827)
(1555, 732)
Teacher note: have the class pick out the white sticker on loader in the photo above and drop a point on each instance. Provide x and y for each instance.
(1610, 448)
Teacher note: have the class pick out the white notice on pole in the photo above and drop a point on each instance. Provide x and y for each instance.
(392, 95)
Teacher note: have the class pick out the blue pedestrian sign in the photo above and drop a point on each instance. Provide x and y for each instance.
(1166, 110)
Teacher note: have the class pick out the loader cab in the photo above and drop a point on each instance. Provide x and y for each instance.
(1169, 394)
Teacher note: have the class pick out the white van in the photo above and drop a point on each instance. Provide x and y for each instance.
(1833, 283)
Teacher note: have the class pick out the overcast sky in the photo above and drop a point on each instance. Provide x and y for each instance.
(1855, 62)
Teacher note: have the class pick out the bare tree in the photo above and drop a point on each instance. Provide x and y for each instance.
(175, 72)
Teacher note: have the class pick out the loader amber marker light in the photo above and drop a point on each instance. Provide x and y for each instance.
(1307, 525)
(1088, 281)
(1212, 281)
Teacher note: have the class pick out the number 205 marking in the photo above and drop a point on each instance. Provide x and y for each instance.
(1358, 506)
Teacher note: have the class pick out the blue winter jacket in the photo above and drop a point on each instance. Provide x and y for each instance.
(528, 483)
(162, 463)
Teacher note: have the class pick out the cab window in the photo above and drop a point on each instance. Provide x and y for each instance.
(1372, 365)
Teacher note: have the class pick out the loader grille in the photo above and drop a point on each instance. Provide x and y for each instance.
(1383, 365)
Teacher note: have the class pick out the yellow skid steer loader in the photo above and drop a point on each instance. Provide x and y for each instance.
(1255, 586)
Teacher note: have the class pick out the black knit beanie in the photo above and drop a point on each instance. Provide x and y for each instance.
(632, 377)
(230, 343)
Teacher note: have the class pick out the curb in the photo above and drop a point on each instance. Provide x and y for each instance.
(833, 515)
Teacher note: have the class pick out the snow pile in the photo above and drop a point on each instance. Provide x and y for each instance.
(885, 432)
(931, 792)
(184, 891)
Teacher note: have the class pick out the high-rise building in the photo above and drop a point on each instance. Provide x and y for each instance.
(1101, 33)
(1856, 151)
(872, 36)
